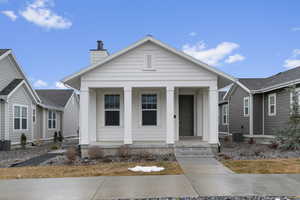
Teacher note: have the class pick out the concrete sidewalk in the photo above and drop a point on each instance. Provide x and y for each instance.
(93, 188)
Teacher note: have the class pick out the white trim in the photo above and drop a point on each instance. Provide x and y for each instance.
(244, 106)
(224, 114)
(277, 86)
(157, 42)
(150, 92)
(269, 105)
(5, 54)
(21, 106)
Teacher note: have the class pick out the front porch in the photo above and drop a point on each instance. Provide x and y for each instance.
(148, 116)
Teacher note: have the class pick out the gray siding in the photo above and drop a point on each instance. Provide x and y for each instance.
(20, 97)
(50, 132)
(257, 114)
(2, 120)
(236, 113)
(8, 72)
(38, 126)
(222, 127)
(71, 117)
(279, 121)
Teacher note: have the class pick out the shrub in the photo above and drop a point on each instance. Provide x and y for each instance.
(251, 141)
(124, 151)
(226, 138)
(289, 138)
(71, 154)
(23, 140)
(60, 136)
(95, 152)
(55, 137)
(273, 145)
(54, 147)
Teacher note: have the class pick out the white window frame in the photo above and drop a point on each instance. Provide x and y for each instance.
(246, 106)
(157, 108)
(225, 114)
(20, 117)
(113, 109)
(52, 119)
(34, 116)
(269, 104)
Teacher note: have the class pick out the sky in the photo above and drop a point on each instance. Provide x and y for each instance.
(52, 38)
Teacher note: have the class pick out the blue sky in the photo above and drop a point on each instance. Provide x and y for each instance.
(52, 38)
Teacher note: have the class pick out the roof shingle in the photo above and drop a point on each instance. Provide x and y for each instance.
(3, 51)
(10, 87)
(52, 97)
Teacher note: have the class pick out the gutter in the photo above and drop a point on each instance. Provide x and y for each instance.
(51, 107)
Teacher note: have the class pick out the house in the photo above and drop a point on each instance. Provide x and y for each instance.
(147, 94)
(25, 110)
(223, 114)
(259, 107)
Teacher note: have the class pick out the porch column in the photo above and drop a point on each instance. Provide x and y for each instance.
(92, 114)
(213, 115)
(205, 115)
(251, 114)
(127, 115)
(84, 117)
(6, 121)
(170, 115)
(45, 122)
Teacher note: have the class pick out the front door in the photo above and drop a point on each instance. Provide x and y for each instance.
(186, 115)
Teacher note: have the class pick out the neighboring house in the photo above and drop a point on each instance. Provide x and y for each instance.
(259, 107)
(22, 110)
(62, 108)
(147, 93)
(223, 113)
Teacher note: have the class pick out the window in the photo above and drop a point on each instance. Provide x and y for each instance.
(148, 62)
(149, 109)
(225, 114)
(246, 106)
(112, 110)
(295, 102)
(272, 104)
(20, 117)
(33, 116)
(51, 119)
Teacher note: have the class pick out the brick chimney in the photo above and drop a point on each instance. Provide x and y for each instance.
(97, 55)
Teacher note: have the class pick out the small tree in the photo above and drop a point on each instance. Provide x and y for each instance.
(23, 140)
(289, 138)
(55, 137)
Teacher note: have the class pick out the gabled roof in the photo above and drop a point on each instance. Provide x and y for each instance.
(76, 76)
(8, 52)
(3, 51)
(10, 87)
(282, 79)
(55, 97)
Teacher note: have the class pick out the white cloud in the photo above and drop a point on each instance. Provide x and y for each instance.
(60, 85)
(296, 29)
(294, 60)
(39, 12)
(234, 58)
(11, 14)
(193, 34)
(213, 56)
(40, 83)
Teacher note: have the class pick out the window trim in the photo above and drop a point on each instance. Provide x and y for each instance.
(120, 109)
(225, 114)
(275, 104)
(244, 106)
(146, 67)
(53, 111)
(157, 108)
(27, 114)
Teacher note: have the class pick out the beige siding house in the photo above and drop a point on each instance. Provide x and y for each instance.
(24, 110)
(150, 94)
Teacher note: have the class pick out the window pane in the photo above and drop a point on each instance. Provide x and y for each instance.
(24, 123)
(112, 101)
(24, 112)
(246, 110)
(17, 111)
(54, 124)
(272, 109)
(17, 124)
(49, 114)
(54, 115)
(149, 101)
(49, 124)
(272, 100)
(149, 118)
(112, 118)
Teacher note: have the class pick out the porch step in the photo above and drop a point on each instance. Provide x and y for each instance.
(194, 152)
